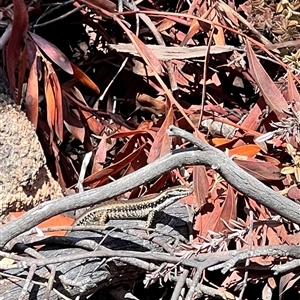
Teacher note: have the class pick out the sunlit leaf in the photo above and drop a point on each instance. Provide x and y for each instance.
(84, 79)
(270, 91)
(32, 95)
(162, 142)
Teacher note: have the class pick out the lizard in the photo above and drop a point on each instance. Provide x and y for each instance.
(137, 208)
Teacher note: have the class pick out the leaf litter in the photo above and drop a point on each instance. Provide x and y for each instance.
(226, 71)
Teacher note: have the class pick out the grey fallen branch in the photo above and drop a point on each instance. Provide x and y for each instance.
(289, 266)
(241, 180)
(204, 155)
(143, 260)
(212, 261)
(279, 251)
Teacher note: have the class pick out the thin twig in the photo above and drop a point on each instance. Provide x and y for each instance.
(180, 284)
(27, 282)
(205, 68)
(60, 17)
(195, 282)
(248, 259)
(49, 287)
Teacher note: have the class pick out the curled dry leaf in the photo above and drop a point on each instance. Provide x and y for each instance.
(84, 79)
(32, 95)
(54, 101)
(218, 33)
(148, 103)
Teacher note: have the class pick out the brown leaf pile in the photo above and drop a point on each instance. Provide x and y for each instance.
(124, 74)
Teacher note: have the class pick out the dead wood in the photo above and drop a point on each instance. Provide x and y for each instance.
(207, 155)
(84, 276)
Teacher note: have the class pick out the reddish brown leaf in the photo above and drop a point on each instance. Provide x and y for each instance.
(294, 238)
(53, 53)
(54, 101)
(133, 142)
(229, 209)
(93, 123)
(293, 94)
(74, 95)
(253, 120)
(234, 277)
(59, 120)
(261, 170)
(273, 237)
(270, 159)
(272, 283)
(286, 282)
(141, 69)
(145, 125)
(219, 37)
(98, 4)
(207, 219)
(294, 193)
(282, 233)
(100, 178)
(73, 123)
(194, 28)
(165, 24)
(259, 209)
(246, 150)
(16, 41)
(224, 207)
(141, 162)
(271, 93)
(84, 79)
(49, 99)
(32, 95)
(125, 133)
(162, 142)
(52, 222)
(228, 11)
(146, 54)
(100, 155)
(200, 186)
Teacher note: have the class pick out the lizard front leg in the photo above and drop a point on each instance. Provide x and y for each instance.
(150, 218)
